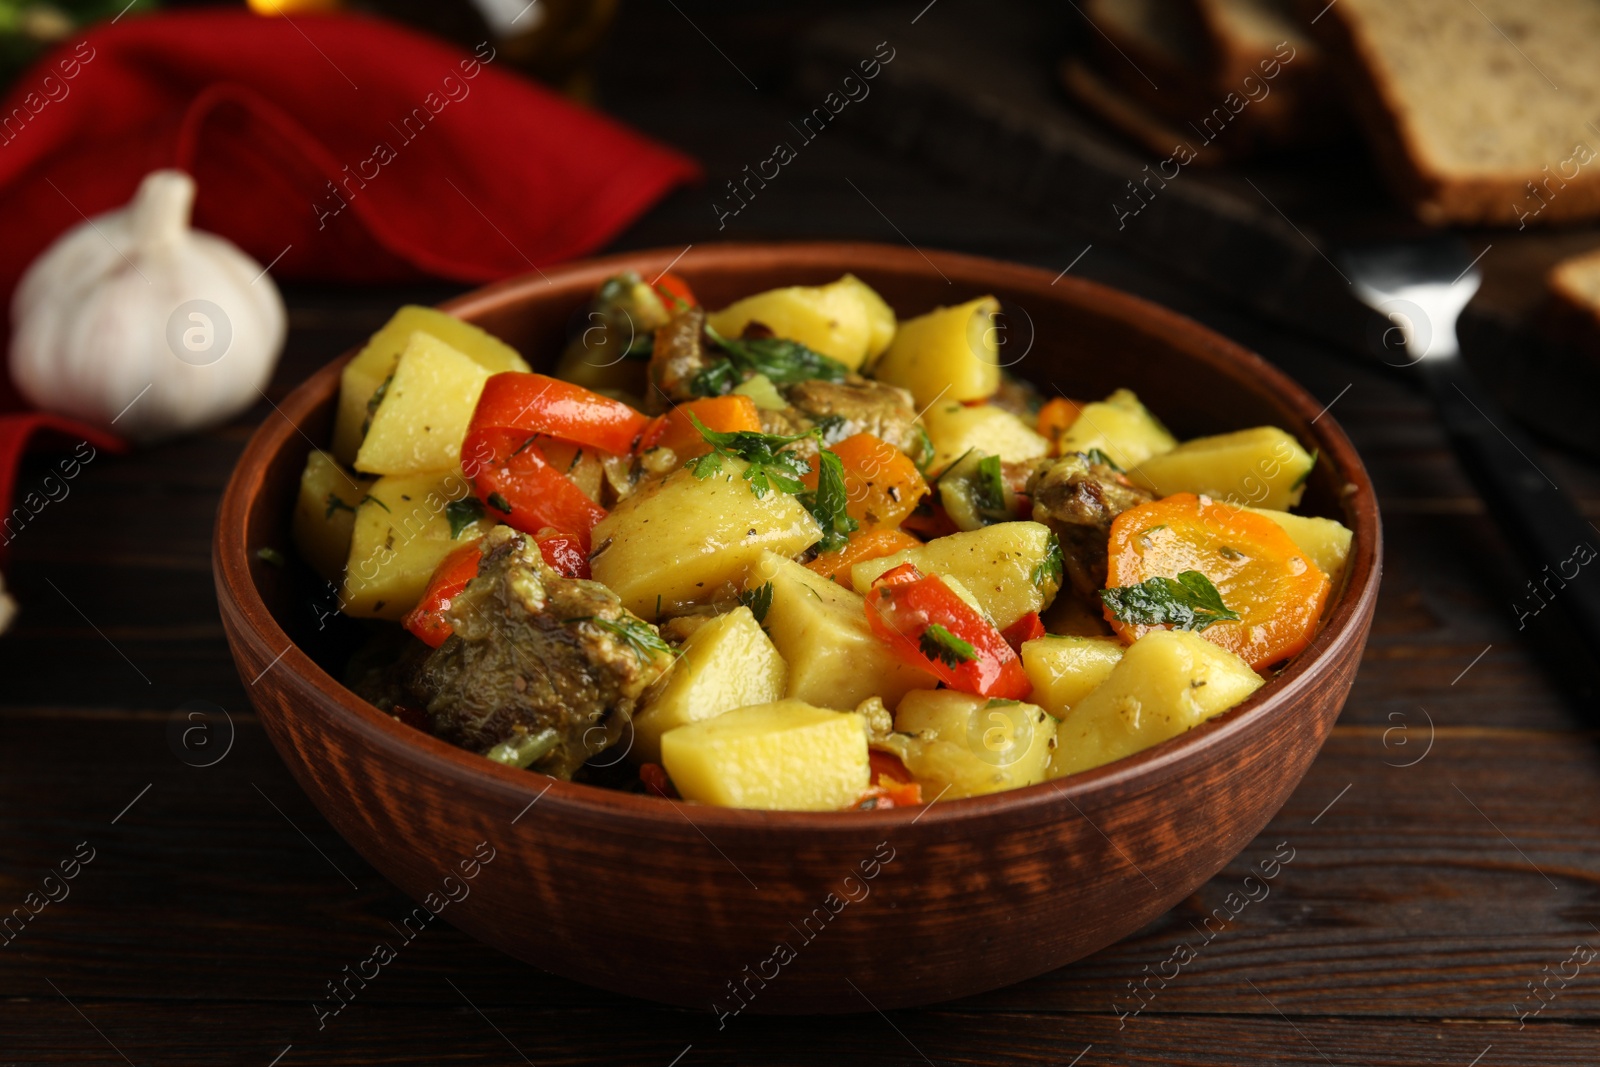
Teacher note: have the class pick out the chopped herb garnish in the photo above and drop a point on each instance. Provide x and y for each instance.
(499, 503)
(524, 446)
(336, 503)
(638, 635)
(780, 359)
(1229, 552)
(1188, 602)
(641, 347)
(1306, 475)
(939, 643)
(924, 454)
(758, 600)
(829, 504)
(272, 556)
(1095, 455)
(373, 401)
(1048, 570)
(463, 513)
(769, 463)
(375, 500)
(833, 429)
(1001, 702)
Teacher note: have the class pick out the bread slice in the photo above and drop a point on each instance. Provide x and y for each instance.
(1233, 79)
(1574, 287)
(1482, 112)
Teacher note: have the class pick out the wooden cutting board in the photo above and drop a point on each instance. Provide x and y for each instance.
(973, 91)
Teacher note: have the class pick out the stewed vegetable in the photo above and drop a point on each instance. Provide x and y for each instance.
(797, 553)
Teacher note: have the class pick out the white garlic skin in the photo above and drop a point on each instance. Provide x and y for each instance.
(93, 313)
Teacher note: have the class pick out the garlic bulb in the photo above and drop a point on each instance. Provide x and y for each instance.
(135, 322)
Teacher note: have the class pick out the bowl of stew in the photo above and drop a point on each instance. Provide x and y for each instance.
(806, 627)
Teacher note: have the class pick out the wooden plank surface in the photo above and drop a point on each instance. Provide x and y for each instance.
(1420, 903)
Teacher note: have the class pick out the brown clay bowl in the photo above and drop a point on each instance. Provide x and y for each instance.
(807, 912)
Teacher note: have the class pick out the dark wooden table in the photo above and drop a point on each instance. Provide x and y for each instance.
(1445, 852)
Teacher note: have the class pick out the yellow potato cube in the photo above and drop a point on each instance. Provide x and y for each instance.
(955, 428)
(374, 363)
(960, 745)
(727, 663)
(1064, 670)
(400, 536)
(1167, 682)
(832, 319)
(684, 538)
(423, 417)
(1011, 568)
(1121, 427)
(1325, 541)
(325, 513)
(820, 628)
(1264, 467)
(880, 316)
(951, 353)
(784, 756)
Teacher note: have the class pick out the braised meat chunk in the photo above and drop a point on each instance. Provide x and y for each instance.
(1078, 498)
(543, 664)
(857, 405)
(679, 355)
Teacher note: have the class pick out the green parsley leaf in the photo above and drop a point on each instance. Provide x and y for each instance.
(769, 464)
(373, 401)
(1304, 478)
(463, 513)
(638, 635)
(1095, 455)
(758, 600)
(1187, 602)
(499, 503)
(376, 501)
(336, 503)
(925, 453)
(1048, 570)
(1001, 702)
(832, 429)
(780, 359)
(718, 379)
(940, 644)
(829, 504)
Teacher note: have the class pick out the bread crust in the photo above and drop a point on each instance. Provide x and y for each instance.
(1436, 198)
(1571, 315)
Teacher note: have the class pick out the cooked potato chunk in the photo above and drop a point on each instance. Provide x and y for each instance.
(1064, 670)
(785, 756)
(401, 533)
(1325, 541)
(1167, 682)
(683, 538)
(821, 630)
(1121, 427)
(1264, 467)
(948, 354)
(374, 363)
(325, 513)
(959, 745)
(422, 418)
(727, 663)
(954, 428)
(880, 316)
(1012, 568)
(833, 319)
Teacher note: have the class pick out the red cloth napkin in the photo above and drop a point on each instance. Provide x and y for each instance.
(334, 147)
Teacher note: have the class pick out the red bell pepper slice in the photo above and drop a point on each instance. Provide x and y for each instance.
(540, 404)
(929, 626)
(427, 620)
(675, 292)
(520, 488)
(564, 553)
(1028, 628)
